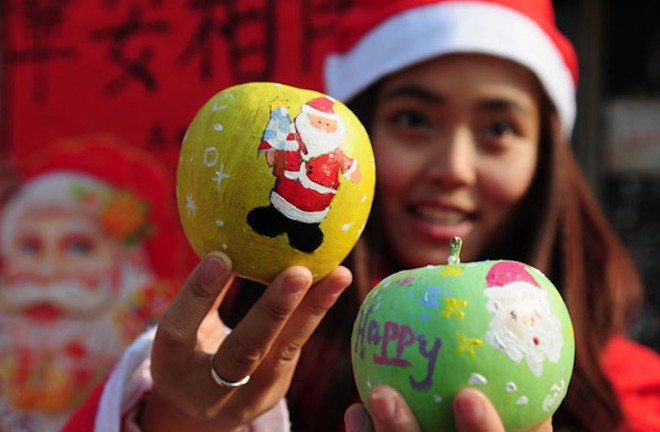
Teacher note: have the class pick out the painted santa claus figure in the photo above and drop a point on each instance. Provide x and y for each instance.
(80, 273)
(307, 160)
(523, 326)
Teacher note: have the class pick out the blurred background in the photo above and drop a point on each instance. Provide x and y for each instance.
(617, 135)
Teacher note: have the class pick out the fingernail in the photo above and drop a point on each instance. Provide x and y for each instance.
(216, 265)
(469, 407)
(382, 405)
(295, 284)
(356, 420)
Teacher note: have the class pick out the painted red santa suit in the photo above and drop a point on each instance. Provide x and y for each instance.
(313, 160)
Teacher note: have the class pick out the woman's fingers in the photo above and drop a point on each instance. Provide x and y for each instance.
(176, 336)
(389, 412)
(265, 344)
(356, 419)
(319, 299)
(473, 412)
(250, 342)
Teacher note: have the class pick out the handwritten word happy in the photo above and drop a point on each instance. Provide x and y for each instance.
(392, 341)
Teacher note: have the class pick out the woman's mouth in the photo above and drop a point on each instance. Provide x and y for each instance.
(441, 215)
(441, 223)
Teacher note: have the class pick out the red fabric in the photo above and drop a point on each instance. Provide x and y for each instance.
(634, 371)
(368, 14)
(83, 418)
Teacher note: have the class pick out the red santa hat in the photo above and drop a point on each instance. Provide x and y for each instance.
(504, 273)
(99, 160)
(377, 38)
(322, 107)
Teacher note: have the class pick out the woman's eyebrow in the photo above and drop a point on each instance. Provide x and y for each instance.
(504, 104)
(414, 91)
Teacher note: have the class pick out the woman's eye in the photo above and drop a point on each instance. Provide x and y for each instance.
(411, 119)
(498, 129)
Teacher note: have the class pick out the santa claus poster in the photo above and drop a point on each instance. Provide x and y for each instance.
(95, 99)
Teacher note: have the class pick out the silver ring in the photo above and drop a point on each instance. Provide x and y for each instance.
(223, 382)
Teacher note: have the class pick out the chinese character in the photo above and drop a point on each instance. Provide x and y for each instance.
(42, 21)
(136, 67)
(249, 31)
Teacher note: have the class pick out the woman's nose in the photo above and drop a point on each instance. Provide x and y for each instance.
(454, 158)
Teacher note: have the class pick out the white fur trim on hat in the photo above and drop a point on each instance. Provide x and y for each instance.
(425, 32)
(308, 109)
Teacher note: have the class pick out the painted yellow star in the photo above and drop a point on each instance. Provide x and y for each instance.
(467, 345)
(453, 306)
(277, 103)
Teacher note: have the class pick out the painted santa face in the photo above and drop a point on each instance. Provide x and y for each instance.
(456, 147)
(320, 135)
(326, 125)
(59, 262)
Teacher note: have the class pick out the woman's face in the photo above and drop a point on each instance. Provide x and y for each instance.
(456, 147)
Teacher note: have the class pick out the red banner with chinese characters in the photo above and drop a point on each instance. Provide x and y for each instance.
(95, 99)
(142, 68)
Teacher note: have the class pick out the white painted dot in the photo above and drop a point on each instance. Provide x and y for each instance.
(511, 387)
(437, 398)
(346, 227)
(477, 379)
(220, 223)
(224, 246)
(218, 127)
(522, 400)
(222, 102)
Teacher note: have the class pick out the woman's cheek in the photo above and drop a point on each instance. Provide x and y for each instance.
(506, 184)
(394, 167)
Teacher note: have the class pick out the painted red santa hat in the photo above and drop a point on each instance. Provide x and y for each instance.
(377, 38)
(322, 107)
(504, 273)
(103, 161)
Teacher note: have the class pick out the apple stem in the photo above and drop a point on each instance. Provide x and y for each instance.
(455, 251)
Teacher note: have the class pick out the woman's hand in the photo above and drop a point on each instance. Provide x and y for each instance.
(266, 345)
(473, 412)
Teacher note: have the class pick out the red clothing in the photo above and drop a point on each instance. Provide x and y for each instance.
(83, 418)
(633, 369)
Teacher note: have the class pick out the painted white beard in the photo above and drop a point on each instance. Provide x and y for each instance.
(96, 331)
(97, 335)
(317, 141)
(534, 343)
(69, 295)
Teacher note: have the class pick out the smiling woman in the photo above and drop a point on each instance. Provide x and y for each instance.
(457, 149)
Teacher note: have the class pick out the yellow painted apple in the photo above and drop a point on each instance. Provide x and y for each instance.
(274, 176)
(498, 326)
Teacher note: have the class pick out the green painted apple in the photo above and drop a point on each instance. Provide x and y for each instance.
(498, 326)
